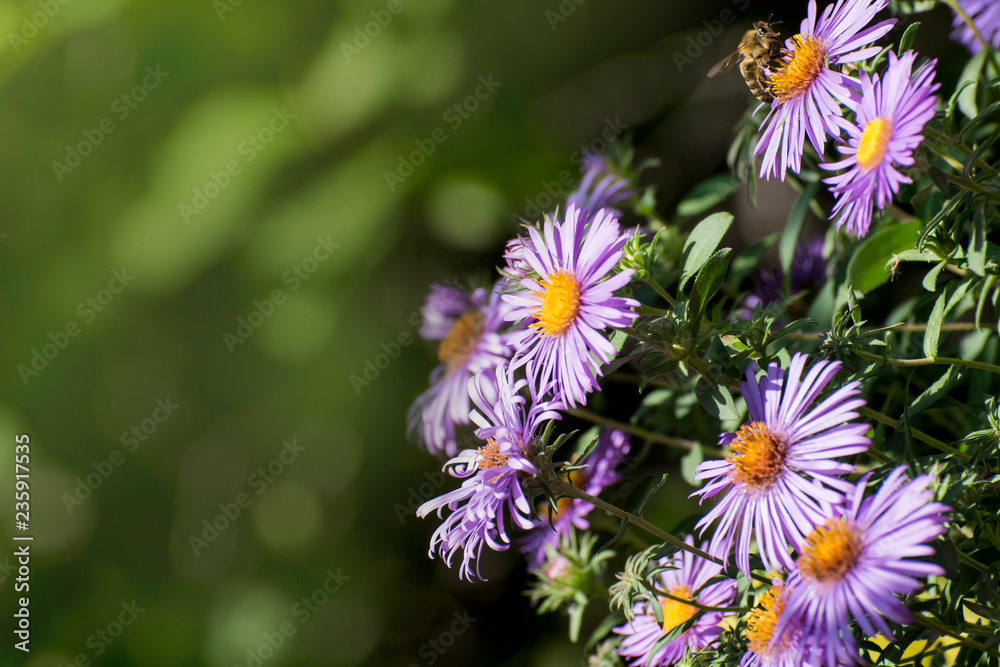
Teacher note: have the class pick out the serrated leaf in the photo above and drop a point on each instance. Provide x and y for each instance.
(690, 463)
(702, 242)
(707, 194)
(867, 268)
(707, 283)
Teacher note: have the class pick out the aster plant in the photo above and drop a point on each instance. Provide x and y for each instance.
(809, 482)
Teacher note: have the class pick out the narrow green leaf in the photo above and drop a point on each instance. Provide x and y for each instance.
(707, 283)
(933, 332)
(977, 244)
(793, 228)
(907, 39)
(969, 84)
(930, 279)
(867, 268)
(707, 194)
(702, 242)
(938, 390)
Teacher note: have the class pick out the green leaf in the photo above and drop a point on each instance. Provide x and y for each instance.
(793, 228)
(867, 269)
(715, 398)
(702, 242)
(907, 39)
(968, 83)
(707, 194)
(690, 463)
(930, 279)
(938, 390)
(933, 332)
(977, 244)
(707, 283)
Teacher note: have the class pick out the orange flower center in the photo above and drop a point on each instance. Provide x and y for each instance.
(490, 456)
(675, 613)
(758, 456)
(761, 621)
(874, 142)
(560, 303)
(831, 551)
(458, 345)
(800, 68)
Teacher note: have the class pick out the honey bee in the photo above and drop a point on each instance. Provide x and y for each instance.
(759, 47)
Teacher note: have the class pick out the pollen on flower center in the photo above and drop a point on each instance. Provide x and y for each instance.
(831, 551)
(461, 341)
(490, 456)
(758, 456)
(762, 619)
(675, 613)
(560, 303)
(874, 142)
(800, 68)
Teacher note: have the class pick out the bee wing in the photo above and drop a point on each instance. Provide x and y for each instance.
(725, 64)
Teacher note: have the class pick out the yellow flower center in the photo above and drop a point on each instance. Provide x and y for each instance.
(490, 456)
(831, 551)
(874, 142)
(560, 303)
(461, 341)
(761, 621)
(758, 456)
(675, 613)
(800, 68)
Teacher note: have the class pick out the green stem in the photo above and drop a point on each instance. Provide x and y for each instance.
(933, 624)
(638, 431)
(975, 31)
(969, 560)
(655, 312)
(957, 145)
(698, 605)
(659, 290)
(973, 186)
(928, 361)
(564, 488)
(919, 435)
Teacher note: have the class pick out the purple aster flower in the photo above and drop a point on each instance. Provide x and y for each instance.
(857, 561)
(986, 15)
(807, 92)
(601, 187)
(890, 117)
(570, 302)
(809, 271)
(469, 328)
(493, 473)
(686, 580)
(610, 450)
(782, 477)
(764, 648)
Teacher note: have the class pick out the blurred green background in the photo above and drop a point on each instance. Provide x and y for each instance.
(200, 247)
